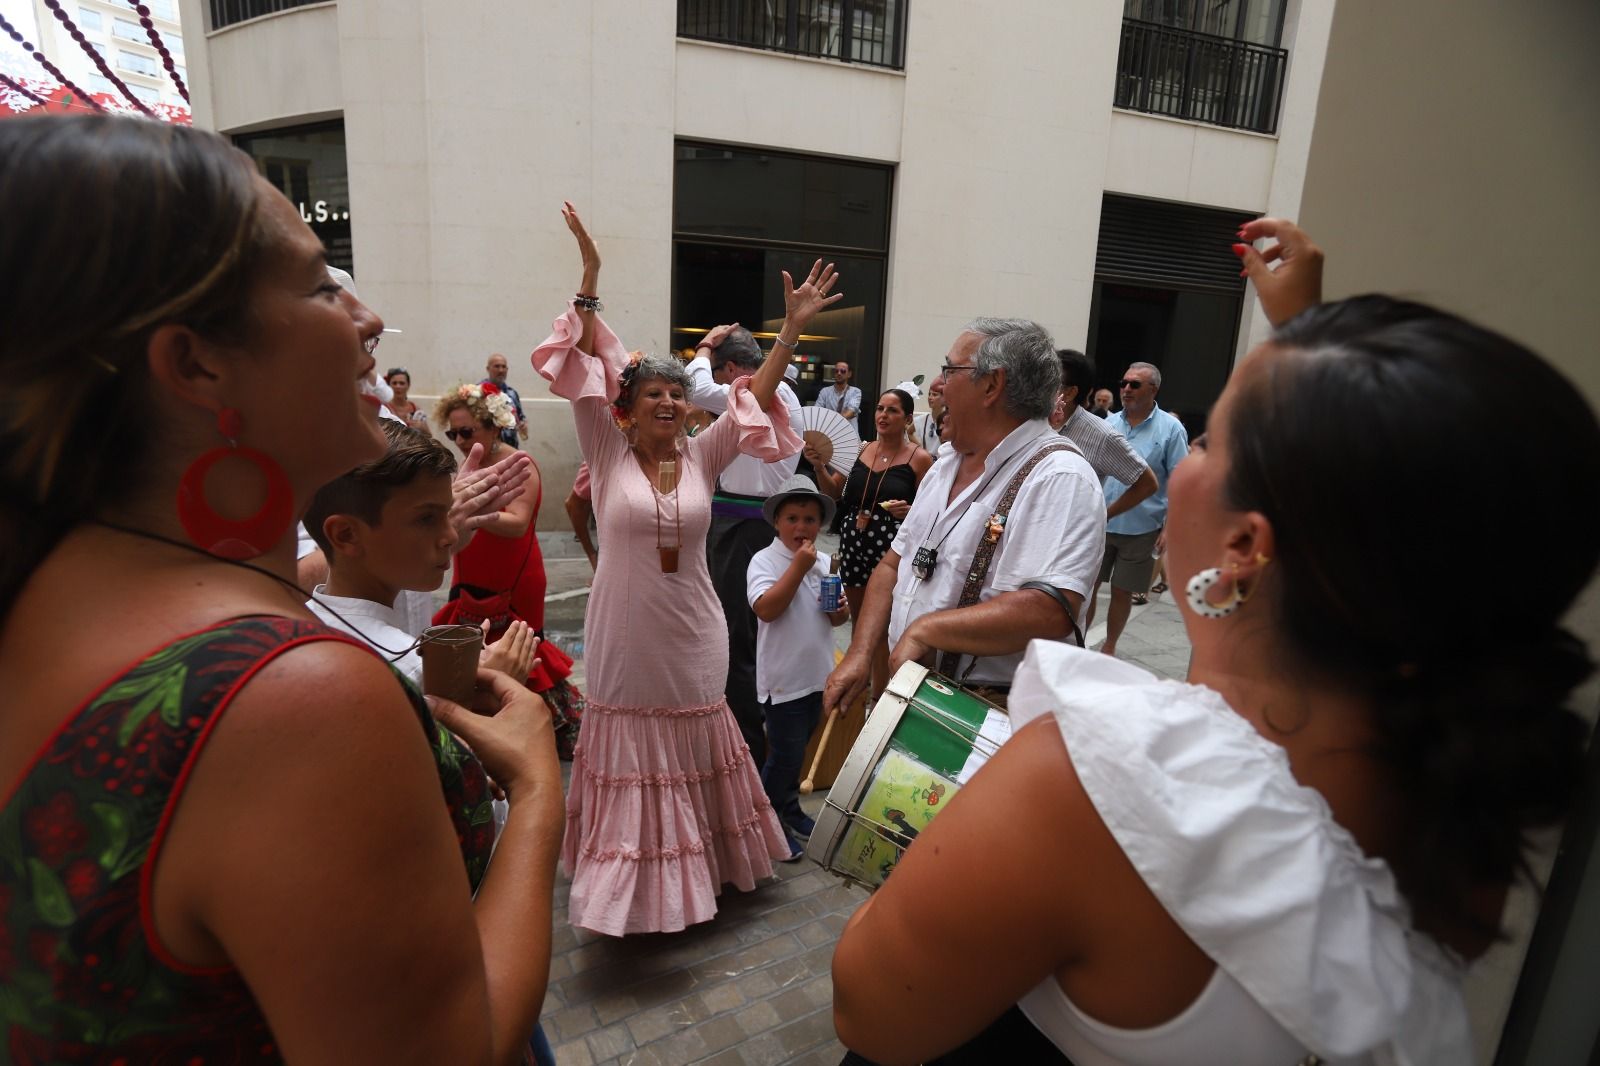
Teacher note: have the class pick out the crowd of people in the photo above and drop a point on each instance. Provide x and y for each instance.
(224, 836)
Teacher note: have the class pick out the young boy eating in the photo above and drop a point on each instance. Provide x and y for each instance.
(794, 641)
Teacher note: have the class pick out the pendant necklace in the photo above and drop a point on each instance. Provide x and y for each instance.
(863, 512)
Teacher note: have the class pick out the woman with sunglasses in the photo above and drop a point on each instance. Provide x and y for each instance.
(504, 556)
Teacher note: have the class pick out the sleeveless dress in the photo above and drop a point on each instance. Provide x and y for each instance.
(666, 804)
(860, 550)
(83, 977)
(490, 564)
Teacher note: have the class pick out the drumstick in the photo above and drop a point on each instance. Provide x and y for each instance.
(827, 727)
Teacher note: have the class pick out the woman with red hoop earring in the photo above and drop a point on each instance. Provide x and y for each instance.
(223, 821)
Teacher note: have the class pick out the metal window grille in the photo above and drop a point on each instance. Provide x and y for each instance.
(1199, 76)
(228, 12)
(869, 32)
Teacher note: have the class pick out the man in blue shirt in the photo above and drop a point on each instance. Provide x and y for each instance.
(497, 368)
(1131, 535)
(841, 396)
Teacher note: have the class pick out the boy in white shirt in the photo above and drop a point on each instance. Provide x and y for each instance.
(385, 528)
(794, 641)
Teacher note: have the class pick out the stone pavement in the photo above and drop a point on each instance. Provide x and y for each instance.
(752, 986)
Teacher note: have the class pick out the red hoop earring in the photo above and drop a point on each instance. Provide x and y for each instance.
(247, 538)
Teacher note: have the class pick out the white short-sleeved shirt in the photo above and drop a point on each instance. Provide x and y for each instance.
(794, 654)
(746, 475)
(1055, 533)
(378, 627)
(1313, 942)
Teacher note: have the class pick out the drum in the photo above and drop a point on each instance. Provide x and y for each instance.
(925, 738)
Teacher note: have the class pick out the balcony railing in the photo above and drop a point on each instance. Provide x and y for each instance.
(870, 32)
(227, 12)
(1196, 76)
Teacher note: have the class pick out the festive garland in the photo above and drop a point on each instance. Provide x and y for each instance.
(161, 47)
(19, 88)
(44, 61)
(99, 60)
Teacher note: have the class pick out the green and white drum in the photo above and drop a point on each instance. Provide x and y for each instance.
(924, 739)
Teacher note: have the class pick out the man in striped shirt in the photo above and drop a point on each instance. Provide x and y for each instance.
(1107, 450)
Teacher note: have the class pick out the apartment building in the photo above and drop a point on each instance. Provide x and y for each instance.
(114, 28)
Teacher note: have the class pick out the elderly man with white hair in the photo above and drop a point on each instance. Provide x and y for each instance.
(1004, 540)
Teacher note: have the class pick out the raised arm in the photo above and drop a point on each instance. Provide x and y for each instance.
(1296, 283)
(800, 307)
(589, 282)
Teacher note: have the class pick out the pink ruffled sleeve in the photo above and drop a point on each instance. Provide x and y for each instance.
(572, 374)
(747, 428)
(589, 381)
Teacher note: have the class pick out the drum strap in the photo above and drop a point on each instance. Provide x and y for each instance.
(981, 559)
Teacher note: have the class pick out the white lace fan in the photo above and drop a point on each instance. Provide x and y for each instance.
(832, 436)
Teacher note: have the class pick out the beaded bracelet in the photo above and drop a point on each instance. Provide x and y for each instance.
(588, 303)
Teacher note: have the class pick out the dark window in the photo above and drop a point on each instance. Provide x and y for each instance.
(741, 216)
(856, 31)
(307, 164)
(227, 12)
(1167, 291)
(1212, 62)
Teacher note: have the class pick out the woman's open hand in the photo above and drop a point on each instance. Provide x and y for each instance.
(512, 654)
(586, 245)
(1296, 283)
(508, 728)
(802, 304)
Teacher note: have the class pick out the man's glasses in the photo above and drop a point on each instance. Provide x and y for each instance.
(1129, 383)
(460, 434)
(946, 368)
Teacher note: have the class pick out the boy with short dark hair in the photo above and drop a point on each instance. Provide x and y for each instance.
(794, 641)
(385, 527)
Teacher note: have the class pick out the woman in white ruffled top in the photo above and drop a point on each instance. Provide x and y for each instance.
(1292, 858)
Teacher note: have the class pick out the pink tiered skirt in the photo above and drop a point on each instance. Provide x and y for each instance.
(665, 807)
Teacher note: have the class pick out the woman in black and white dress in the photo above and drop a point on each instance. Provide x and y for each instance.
(873, 500)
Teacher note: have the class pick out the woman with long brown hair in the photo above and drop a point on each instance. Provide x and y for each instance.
(223, 830)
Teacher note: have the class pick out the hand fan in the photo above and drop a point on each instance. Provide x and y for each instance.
(832, 436)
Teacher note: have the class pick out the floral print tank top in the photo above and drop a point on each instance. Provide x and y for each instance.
(82, 978)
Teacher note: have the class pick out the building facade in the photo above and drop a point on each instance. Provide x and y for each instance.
(1083, 165)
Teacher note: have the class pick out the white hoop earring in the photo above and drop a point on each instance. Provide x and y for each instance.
(1195, 591)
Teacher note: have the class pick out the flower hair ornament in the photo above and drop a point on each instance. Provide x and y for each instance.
(487, 404)
(624, 386)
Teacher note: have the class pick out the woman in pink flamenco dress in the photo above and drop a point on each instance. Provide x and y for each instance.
(666, 804)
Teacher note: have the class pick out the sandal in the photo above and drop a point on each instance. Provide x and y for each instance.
(1140, 599)
(1159, 586)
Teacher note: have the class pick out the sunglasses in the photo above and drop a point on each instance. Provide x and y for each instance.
(1129, 383)
(460, 434)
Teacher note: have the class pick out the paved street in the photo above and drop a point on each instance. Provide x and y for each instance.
(751, 987)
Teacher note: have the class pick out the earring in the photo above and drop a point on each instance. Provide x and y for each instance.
(1195, 591)
(225, 537)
